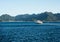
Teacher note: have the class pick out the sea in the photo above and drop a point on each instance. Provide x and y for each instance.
(29, 32)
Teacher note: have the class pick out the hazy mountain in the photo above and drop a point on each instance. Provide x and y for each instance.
(46, 16)
(6, 17)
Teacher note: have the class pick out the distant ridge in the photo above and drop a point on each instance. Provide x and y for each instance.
(46, 16)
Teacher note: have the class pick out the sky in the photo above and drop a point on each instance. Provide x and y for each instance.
(17, 7)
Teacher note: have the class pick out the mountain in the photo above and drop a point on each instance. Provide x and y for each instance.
(6, 17)
(46, 16)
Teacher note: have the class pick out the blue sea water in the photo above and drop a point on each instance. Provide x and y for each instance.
(29, 32)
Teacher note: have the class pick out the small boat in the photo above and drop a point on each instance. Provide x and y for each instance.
(38, 21)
